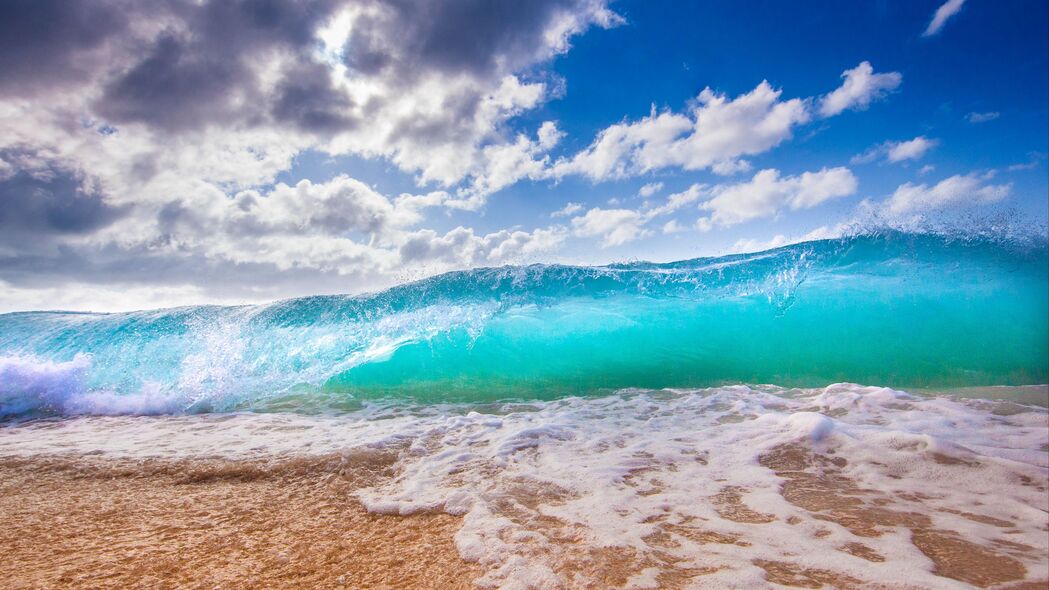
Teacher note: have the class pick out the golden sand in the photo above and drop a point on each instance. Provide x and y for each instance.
(92, 522)
(76, 523)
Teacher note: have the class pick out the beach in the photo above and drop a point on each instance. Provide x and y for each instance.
(101, 523)
(845, 487)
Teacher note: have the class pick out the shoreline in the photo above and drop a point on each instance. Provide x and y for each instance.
(847, 486)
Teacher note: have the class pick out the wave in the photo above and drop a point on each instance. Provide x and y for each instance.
(914, 310)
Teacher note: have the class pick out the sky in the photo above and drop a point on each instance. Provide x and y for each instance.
(175, 152)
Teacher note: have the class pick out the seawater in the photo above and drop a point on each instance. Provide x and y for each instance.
(906, 310)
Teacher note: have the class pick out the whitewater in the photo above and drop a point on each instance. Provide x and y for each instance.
(868, 411)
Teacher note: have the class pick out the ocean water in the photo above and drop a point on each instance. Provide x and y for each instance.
(862, 406)
(913, 311)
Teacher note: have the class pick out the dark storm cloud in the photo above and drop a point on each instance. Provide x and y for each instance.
(202, 73)
(175, 87)
(42, 200)
(201, 68)
(474, 36)
(44, 43)
(307, 99)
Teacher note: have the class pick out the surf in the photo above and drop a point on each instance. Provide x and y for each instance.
(892, 308)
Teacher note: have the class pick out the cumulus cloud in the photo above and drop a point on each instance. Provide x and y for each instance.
(717, 132)
(613, 226)
(768, 193)
(897, 151)
(374, 78)
(860, 88)
(939, 18)
(958, 190)
(765, 195)
(823, 232)
(650, 189)
(140, 138)
(568, 210)
(43, 200)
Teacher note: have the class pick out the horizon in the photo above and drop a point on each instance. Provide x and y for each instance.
(245, 153)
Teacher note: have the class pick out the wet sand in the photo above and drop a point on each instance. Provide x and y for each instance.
(92, 522)
(103, 523)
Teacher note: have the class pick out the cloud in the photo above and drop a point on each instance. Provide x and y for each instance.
(957, 190)
(823, 232)
(50, 44)
(677, 201)
(714, 133)
(1034, 159)
(860, 88)
(767, 194)
(614, 226)
(914, 149)
(321, 74)
(650, 189)
(43, 200)
(717, 131)
(142, 141)
(673, 227)
(897, 151)
(461, 247)
(982, 117)
(568, 210)
(292, 240)
(939, 18)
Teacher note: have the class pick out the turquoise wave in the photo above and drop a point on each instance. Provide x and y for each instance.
(898, 309)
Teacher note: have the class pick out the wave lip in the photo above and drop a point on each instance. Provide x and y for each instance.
(897, 309)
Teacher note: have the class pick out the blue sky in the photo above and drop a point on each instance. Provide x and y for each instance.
(257, 150)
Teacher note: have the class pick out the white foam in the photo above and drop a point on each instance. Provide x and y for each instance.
(608, 472)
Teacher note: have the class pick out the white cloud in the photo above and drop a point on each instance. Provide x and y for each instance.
(860, 88)
(567, 210)
(717, 132)
(957, 190)
(650, 189)
(461, 247)
(504, 164)
(767, 193)
(613, 226)
(730, 167)
(714, 133)
(673, 227)
(1033, 161)
(910, 150)
(897, 151)
(926, 169)
(823, 232)
(677, 201)
(982, 117)
(944, 12)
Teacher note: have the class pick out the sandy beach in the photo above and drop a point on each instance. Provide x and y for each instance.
(98, 523)
(95, 522)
